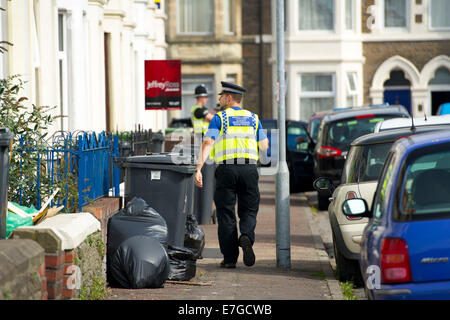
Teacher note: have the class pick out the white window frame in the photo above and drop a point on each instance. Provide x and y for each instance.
(430, 20)
(353, 15)
(316, 94)
(3, 37)
(196, 33)
(352, 93)
(63, 71)
(229, 14)
(396, 29)
(313, 31)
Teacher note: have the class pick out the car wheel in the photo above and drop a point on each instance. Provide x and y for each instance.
(346, 269)
(323, 201)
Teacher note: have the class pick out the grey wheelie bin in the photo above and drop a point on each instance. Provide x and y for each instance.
(203, 197)
(166, 182)
(5, 145)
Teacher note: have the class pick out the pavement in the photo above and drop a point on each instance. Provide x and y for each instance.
(310, 276)
(321, 224)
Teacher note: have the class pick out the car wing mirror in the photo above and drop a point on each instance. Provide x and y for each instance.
(323, 184)
(356, 208)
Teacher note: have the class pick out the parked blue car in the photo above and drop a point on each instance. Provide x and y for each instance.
(405, 249)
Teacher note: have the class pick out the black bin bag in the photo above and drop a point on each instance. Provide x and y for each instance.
(194, 237)
(183, 265)
(136, 219)
(140, 262)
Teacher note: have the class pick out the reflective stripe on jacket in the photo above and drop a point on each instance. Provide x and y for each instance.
(237, 136)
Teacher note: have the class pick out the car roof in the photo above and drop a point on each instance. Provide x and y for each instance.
(287, 121)
(394, 134)
(423, 140)
(418, 121)
(355, 111)
(320, 114)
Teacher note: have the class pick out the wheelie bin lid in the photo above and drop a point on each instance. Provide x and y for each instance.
(5, 137)
(167, 161)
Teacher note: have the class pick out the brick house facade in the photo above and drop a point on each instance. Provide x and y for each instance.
(408, 64)
(256, 52)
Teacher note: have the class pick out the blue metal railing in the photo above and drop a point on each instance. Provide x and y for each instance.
(87, 157)
(97, 172)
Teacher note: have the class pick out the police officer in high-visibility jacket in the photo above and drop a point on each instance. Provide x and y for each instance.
(200, 115)
(233, 141)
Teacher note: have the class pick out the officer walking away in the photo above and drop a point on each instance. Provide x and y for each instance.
(233, 139)
(200, 115)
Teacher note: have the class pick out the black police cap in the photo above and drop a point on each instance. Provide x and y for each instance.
(228, 87)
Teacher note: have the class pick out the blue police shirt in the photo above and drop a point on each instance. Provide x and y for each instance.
(216, 124)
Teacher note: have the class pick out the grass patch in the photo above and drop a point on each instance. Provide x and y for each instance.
(347, 290)
(319, 275)
(314, 209)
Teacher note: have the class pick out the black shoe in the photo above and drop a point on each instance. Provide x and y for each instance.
(227, 265)
(249, 255)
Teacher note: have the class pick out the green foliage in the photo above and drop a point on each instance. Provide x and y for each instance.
(124, 136)
(32, 124)
(319, 275)
(7, 295)
(96, 242)
(347, 290)
(97, 290)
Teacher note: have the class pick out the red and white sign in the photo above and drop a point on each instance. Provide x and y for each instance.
(162, 84)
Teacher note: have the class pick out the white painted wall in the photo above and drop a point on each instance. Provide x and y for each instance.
(78, 73)
(137, 31)
(338, 51)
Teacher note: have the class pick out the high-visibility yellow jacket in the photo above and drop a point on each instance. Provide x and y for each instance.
(237, 136)
(199, 124)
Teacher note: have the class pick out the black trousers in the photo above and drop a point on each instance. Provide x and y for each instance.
(236, 181)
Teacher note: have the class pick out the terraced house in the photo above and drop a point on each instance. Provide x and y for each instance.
(86, 57)
(354, 52)
(206, 36)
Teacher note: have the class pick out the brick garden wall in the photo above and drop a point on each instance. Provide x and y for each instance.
(22, 270)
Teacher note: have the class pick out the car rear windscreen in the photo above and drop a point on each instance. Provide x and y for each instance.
(365, 162)
(372, 160)
(340, 134)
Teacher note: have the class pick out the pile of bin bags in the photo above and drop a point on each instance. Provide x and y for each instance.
(138, 255)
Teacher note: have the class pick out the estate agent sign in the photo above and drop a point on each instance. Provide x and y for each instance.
(163, 84)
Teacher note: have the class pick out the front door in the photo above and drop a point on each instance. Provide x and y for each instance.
(398, 96)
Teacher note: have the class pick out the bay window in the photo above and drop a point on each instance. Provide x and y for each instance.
(316, 14)
(317, 93)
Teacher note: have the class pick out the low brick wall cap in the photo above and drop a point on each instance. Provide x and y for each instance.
(72, 228)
